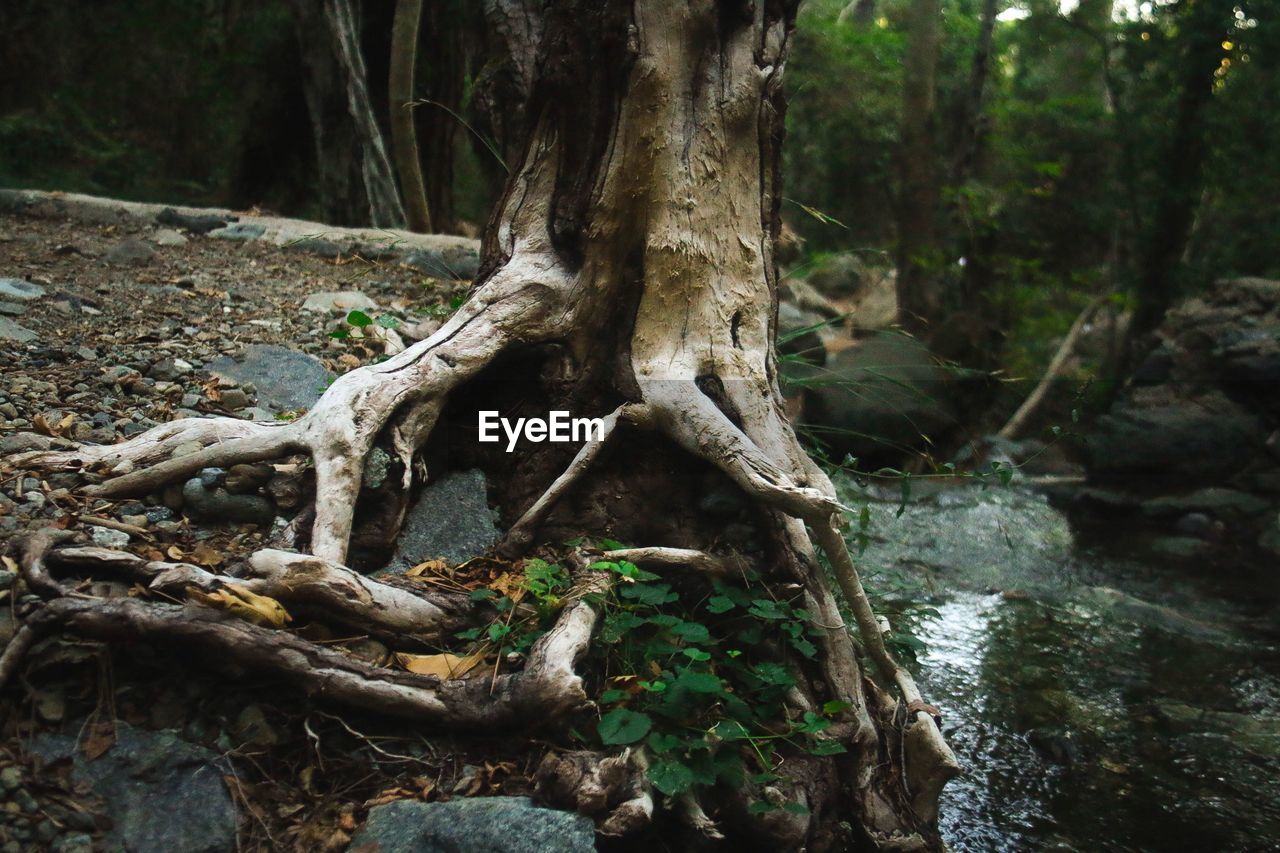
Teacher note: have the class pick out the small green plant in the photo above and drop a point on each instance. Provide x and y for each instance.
(360, 320)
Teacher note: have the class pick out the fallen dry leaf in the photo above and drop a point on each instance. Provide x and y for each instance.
(510, 585)
(99, 738)
(207, 556)
(9, 563)
(248, 605)
(433, 567)
(444, 666)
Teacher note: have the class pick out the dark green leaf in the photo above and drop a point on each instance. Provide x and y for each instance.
(622, 726)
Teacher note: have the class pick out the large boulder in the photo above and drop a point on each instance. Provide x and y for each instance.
(885, 394)
(1174, 439)
(452, 521)
(474, 825)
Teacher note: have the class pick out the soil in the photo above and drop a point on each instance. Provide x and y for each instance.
(120, 322)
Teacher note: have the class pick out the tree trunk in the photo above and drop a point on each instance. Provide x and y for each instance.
(385, 209)
(628, 273)
(920, 298)
(1205, 26)
(404, 135)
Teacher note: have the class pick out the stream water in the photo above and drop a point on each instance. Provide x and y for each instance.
(1098, 700)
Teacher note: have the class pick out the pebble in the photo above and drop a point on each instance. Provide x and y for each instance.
(108, 538)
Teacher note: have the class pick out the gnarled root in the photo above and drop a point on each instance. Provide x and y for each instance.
(547, 688)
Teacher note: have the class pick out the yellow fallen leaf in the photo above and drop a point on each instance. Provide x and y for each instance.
(175, 553)
(9, 563)
(444, 667)
(432, 567)
(248, 605)
(510, 585)
(206, 556)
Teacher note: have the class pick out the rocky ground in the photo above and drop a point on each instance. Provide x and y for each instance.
(108, 329)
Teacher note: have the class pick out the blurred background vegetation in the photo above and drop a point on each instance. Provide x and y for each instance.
(1010, 161)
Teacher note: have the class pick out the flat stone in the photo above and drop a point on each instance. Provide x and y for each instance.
(130, 253)
(108, 538)
(451, 521)
(339, 300)
(162, 793)
(239, 231)
(286, 380)
(13, 309)
(20, 289)
(21, 442)
(1213, 500)
(474, 825)
(168, 237)
(11, 331)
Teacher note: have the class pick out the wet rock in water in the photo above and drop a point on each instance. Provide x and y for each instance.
(161, 792)
(451, 521)
(454, 262)
(474, 825)
(220, 505)
(339, 300)
(108, 538)
(1215, 501)
(239, 231)
(129, 253)
(285, 379)
(1181, 547)
(1256, 733)
(20, 289)
(11, 331)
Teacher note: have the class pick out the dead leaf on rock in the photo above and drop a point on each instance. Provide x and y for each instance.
(443, 666)
(432, 567)
(98, 738)
(248, 605)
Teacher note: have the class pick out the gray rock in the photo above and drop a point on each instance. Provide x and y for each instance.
(798, 334)
(457, 262)
(318, 246)
(876, 398)
(451, 521)
(11, 331)
(12, 309)
(339, 300)
(233, 398)
(376, 465)
(843, 275)
(1174, 440)
(475, 825)
(196, 223)
(1214, 501)
(108, 538)
(129, 253)
(286, 380)
(168, 237)
(239, 231)
(162, 793)
(221, 505)
(21, 442)
(247, 479)
(19, 289)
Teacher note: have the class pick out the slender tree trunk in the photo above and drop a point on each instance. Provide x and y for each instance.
(385, 209)
(920, 298)
(404, 135)
(1204, 27)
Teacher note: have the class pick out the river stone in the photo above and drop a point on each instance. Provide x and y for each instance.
(286, 380)
(1213, 500)
(21, 442)
(11, 331)
(218, 504)
(168, 237)
(339, 300)
(162, 793)
(474, 825)
(451, 521)
(20, 289)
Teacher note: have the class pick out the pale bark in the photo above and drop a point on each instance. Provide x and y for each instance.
(633, 250)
